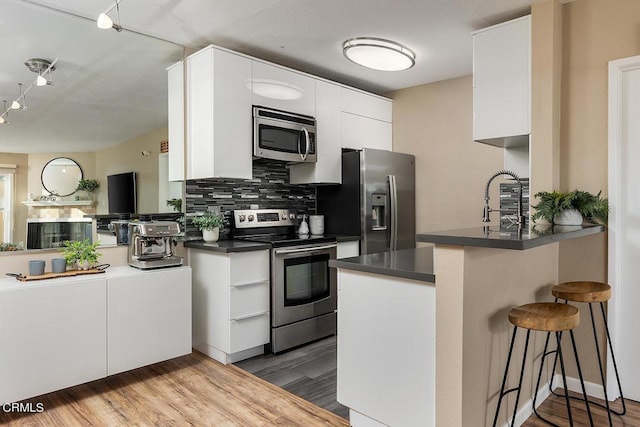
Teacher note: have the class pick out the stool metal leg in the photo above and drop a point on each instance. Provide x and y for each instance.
(613, 359)
(600, 368)
(564, 378)
(584, 390)
(504, 392)
(545, 353)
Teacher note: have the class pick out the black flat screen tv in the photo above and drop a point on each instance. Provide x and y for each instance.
(122, 193)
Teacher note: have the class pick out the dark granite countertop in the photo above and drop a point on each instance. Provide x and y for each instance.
(414, 264)
(494, 237)
(227, 246)
(343, 238)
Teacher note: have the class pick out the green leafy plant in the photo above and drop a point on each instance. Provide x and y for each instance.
(176, 204)
(593, 208)
(88, 185)
(209, 221)
(80, 251)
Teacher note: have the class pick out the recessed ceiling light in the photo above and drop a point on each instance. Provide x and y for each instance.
(378, 54)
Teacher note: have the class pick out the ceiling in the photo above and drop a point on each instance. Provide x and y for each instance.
(110, 87)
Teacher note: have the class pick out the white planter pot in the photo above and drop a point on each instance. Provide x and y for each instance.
(568, 217)
(211, 235)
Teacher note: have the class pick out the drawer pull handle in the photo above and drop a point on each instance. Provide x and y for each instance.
(249, 316)
(240, 285)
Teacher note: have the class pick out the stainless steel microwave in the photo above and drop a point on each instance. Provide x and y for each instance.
(281, 135)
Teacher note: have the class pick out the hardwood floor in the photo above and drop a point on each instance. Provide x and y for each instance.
(555, 409)
(308, 372)
(189, 390)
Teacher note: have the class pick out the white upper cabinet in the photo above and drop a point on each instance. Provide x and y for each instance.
(283, 89)
(327, 168)
(366, 105)
(219, 122)
(360, 132)
(502, 83)
(175, 78)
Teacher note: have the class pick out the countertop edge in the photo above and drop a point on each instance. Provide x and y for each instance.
(227, 246)
(513, 244)
(363, 263)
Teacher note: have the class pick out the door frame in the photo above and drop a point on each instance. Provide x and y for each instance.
(617, 69)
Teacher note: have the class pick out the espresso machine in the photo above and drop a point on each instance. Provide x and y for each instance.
(152, 244)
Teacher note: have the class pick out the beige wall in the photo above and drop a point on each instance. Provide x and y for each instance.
(127, 157)
(595, 32)
(434, 123)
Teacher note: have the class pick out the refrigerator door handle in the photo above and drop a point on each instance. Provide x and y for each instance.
(393, 196)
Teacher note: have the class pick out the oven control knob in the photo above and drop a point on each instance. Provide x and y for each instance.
(251, 217)
(292, 217)
(241, 218)
(284, 217)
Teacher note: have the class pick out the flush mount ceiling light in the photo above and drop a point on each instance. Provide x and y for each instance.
(378, 54)
(104, 22)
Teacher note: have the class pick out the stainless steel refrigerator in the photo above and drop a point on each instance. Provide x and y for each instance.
(376, 200)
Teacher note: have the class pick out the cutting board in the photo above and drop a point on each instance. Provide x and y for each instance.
(69, 273)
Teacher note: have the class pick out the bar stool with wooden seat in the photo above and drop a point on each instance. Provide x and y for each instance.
(546, 317)
(590, 293)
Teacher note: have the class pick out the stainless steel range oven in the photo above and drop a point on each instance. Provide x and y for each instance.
(303, 287)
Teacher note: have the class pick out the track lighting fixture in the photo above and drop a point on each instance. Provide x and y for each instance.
(39, 66)
(104, 22)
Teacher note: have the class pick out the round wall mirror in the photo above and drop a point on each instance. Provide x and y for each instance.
(61, 176)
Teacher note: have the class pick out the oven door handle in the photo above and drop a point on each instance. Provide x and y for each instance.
(297, 251)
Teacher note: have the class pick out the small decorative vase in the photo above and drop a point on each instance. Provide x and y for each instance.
(568, 217)
(211, 235)
(83, 265)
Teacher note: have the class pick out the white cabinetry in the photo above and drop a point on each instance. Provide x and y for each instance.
(366, 105)
(366, 121)
(53, 336)
(148, 320)
(360, 132)
(219, 123)
(502, 83)
(230, 303)
(348, 249)
(58, 333)
(175, 78)
(283, 89)
(377, 387)
(327, 169)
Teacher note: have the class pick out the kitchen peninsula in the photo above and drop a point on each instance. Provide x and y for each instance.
(398, 304)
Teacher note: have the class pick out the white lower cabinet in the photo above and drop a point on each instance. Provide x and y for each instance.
(58, 333)
(148, 320)
(230, 303)
(53, 337)
(391, 384)
(348, 249)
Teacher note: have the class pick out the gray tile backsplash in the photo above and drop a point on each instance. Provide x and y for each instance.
(269, 189)
(509, 200)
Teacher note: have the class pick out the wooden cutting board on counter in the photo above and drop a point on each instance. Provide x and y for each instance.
(28, 278)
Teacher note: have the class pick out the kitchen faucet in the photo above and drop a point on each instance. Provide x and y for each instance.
(487, 210)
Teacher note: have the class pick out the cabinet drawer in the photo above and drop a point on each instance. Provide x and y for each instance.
(249, 332)
(247, 299)
(249, 267)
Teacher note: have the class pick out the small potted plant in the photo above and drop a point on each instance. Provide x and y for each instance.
(89, 186)
(176, 204)
(571, 208)
(209, 223)
(81, 253)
